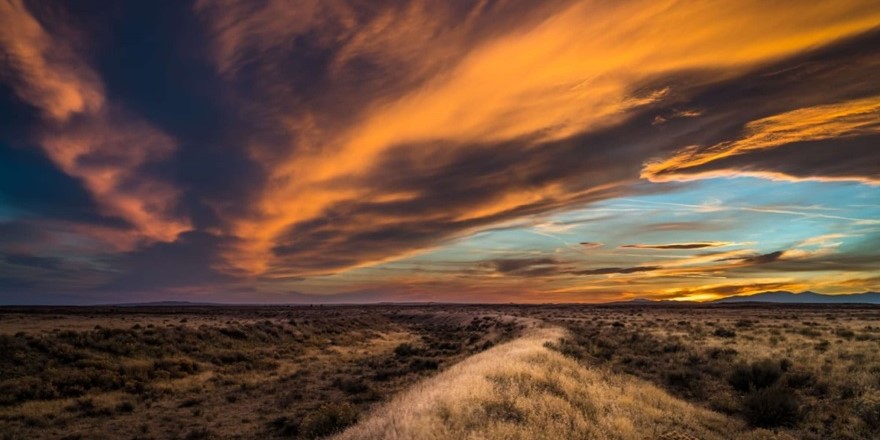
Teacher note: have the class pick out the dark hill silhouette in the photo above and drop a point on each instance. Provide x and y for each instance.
(804, 298)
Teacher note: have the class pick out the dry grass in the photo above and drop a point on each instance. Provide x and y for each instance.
(236, 372)
(813, 372)
(523, 390)
(480, 372)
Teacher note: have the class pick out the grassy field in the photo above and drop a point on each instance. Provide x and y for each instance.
(440, 371)
(220, 372)
(811, 372)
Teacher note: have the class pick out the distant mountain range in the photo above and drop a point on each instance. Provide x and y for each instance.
(164, 304)
(779, 297)
(804, 298)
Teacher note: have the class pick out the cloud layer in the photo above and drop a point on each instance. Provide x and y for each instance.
(255, 147)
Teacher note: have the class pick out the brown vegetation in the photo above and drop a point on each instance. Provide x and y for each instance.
(812, 372)
(441, 371)
(208, 372)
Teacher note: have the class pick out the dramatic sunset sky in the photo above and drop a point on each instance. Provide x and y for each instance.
(476, 151)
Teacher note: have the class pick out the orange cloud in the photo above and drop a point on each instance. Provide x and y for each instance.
(858, 117)
(85, 136)
(49, 77)
(585, 66)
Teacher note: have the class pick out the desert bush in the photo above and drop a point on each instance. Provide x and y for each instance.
(329, 419)
(722, 353)
(869, 411)
(771, 407)
(285, 426)
(405, 349)
(89, 408)
(758, 375)
(722, 332)
(14, 391)
(198, 434)
(125, 407)
(845, 333)
(421, 364)
(385, 374)
(810, 332)
(687, 382)
(800, 379)
(189, 403)
(351, 386)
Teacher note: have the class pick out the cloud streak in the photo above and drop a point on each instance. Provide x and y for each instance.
(84, 135)
(849, 119)
(583, 67)
(573, 149)
(674, 246)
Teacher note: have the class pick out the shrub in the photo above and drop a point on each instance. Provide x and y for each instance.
(421, 364)
(125, 407)
(285, 426)
(869, 412)
(567, 348)
(809, 332)
(722, 332)
(198, 434)
(759, 375)
(351, 386)
(686, 381)
(770, 407)
(405, 349)
(88, 408)
(722, 353)
(845, 333)
(189, 403)
(329, 419)
(800, 379)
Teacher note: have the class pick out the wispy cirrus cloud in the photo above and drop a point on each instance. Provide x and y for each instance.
(673, 246)
(419, 146)
(849, 119)
(457, 97)
(86, 136)
(758, 259)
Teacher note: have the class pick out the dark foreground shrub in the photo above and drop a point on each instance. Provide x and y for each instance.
(722, 332)
(686, 382)
(770, 407)
(329, 419)
(869, 412)
(421, 364)
(351, 386)
(198, 434)
(758, 375)
(404, 350)
(285, 426)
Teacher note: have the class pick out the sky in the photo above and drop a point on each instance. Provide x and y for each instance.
(332, 151)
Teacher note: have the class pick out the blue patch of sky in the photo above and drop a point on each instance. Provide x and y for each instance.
(756, 214)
